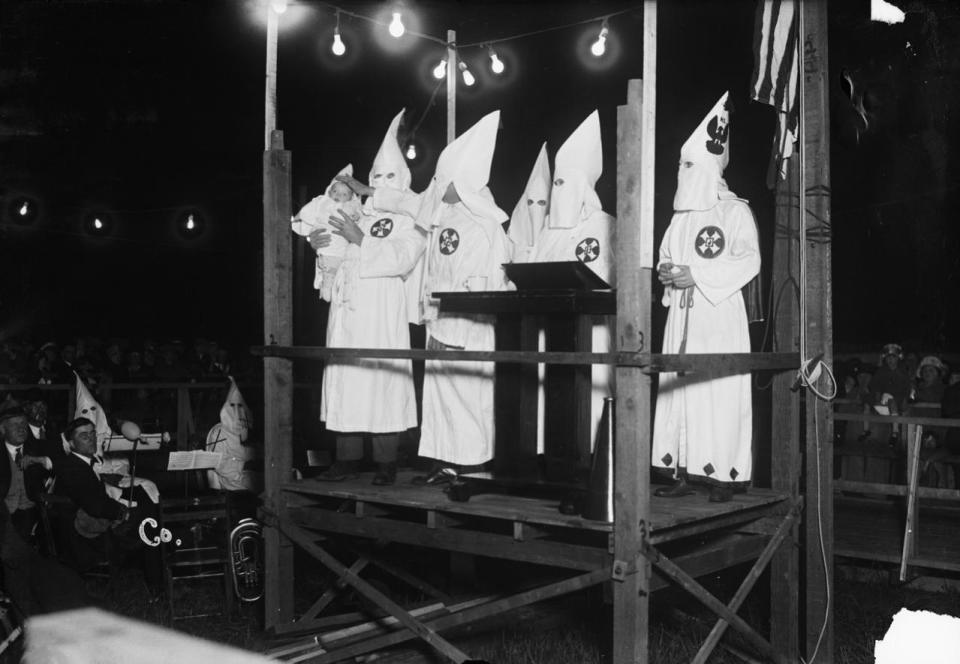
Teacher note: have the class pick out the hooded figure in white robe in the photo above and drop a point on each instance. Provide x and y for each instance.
(577, 228)
(530, 213)
(466, 250)
(88, 407)
(368, 309)
(228, 437)
(703, 426)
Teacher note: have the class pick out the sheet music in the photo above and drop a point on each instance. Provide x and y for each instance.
(193, 460)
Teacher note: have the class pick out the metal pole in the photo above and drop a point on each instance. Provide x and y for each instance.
(451, 85)
(270, 92)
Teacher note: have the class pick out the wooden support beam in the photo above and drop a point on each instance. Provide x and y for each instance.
(815, 134)
(711, 365)
(277, 375)
(426, 633)
(785, 413)
(631, 613)
(782, 532)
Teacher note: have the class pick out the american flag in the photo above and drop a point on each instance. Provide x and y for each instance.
(776, 75)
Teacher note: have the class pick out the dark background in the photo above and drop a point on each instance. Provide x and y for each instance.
(142, 109)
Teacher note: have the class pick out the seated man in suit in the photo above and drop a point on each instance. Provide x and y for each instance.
(100, 507)
(23, 470)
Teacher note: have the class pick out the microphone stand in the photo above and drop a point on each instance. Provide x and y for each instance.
(133, 470)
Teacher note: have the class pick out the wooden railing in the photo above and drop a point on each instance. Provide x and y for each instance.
(914, 432)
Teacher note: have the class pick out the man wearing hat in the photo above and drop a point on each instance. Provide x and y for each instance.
(23, 470)
(703, 427)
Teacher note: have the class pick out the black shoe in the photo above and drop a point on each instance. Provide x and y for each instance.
(438, 475)
(340, 471)
(675, 490)
(386, 474)
(721, 494)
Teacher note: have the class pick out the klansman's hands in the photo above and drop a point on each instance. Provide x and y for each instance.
(355, 185)
(346, 228)
(319, 239)
(678, 276)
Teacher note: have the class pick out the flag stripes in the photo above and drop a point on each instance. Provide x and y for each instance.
(776, 75)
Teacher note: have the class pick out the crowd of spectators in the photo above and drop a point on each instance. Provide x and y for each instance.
(100, 361)
(902, 384)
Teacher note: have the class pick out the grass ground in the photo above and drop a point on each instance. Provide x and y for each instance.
(576, 631)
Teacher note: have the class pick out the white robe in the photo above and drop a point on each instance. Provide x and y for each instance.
(369, 310)
(705, 425)
(458, 408)
(591, 242)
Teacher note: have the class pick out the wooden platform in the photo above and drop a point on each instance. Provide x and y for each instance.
(671, 518)
(871, 529)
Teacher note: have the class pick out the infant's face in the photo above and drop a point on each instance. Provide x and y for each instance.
(340, 192)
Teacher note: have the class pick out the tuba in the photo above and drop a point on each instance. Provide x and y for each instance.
(246, 558)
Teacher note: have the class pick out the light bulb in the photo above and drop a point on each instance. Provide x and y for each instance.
(496, 64)
(599, 47)
(278, 6)
(191, 224)
(440, 70)
(97, 223)
(396, 26)
(411, 151)
(468, 78)
(24, 210)
(338, 46)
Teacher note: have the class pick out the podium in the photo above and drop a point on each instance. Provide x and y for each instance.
(567, 317)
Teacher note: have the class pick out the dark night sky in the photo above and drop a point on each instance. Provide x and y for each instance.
(143, 108)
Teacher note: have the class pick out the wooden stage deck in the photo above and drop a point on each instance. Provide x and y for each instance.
(521, 527)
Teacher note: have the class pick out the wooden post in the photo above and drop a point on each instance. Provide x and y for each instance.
(277, 376)
(451, 86)
(270, 88)
(818, 526)
(632, 442)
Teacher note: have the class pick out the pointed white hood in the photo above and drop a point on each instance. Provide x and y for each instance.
(389, 168)
(531, 210)
(466, 164)
(88, 407)
(703, 158)
(577, 168)
(235, 415)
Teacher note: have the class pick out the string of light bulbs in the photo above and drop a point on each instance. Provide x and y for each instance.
(398, 29)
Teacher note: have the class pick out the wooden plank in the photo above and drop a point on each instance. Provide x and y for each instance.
(819, 329)
(715, 364)
(631, 611)
(781, 534)
(895, 489)
(914, 435)
(946, 422)
(429, 635)
(665, 513)
(278, 374)
(462, 540)
(686, 581)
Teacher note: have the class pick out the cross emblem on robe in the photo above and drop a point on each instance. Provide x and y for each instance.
(710, 242)
(382, 227)
(588, 250)
(449, 241)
